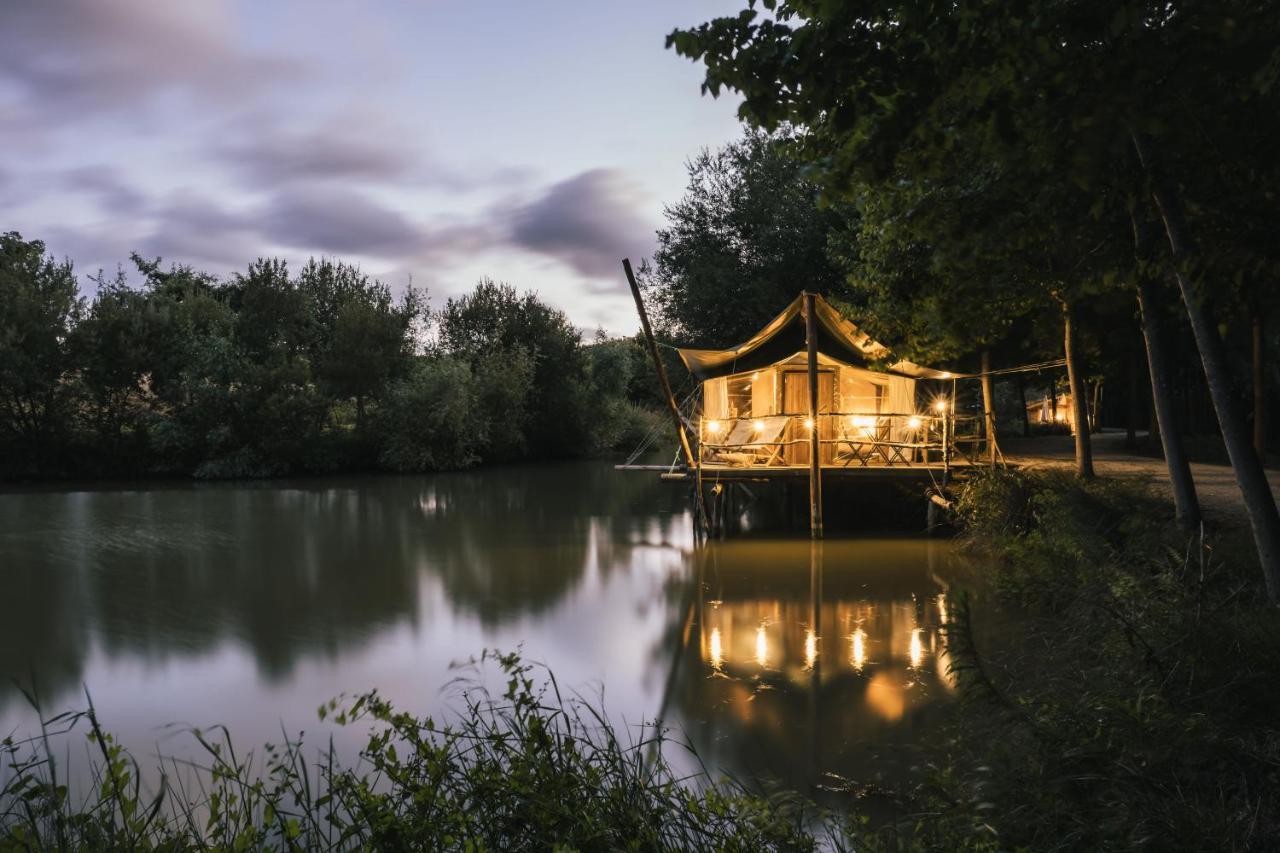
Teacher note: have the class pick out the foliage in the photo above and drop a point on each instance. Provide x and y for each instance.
(1133, 704)
(39, 306)
(271, 374)
(492, 320)
(745, 239)
(530, 770)
(429, 421)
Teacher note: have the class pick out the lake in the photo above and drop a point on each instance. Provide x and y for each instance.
(252, 604)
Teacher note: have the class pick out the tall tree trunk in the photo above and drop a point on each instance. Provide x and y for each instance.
(1079, 407)
(1131, 409)
(1022, 400)
(1165, 422)
(1053, 402)
(1154, 440)
(1095, 407)
(1250, 476)
(1259, 391)
(988, 407)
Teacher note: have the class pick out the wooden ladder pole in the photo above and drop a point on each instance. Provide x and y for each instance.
(815, 462)
(666, 385)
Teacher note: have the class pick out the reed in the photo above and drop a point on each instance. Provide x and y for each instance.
(531, 769)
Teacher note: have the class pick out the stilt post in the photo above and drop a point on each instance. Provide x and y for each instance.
(815, 445)
(666, 384)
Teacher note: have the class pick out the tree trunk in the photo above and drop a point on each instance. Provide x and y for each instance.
(1250, 476)
(1259, 391)
(1053, 402)
(1131, 412)
(988, 407)
(1079, 410)
(1022, 400)
(1095, 407)
(1186, 505)
(1154, 440)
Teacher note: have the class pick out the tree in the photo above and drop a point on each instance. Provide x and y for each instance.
(745, 239)
(494, 322)
(360, 338)
(39, 306)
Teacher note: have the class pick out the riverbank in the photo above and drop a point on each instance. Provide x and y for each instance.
(1135, 705)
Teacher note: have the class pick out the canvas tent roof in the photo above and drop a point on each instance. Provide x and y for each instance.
(784, 335)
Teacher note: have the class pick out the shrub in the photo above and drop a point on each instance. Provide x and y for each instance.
(530, 770)
(429, 421)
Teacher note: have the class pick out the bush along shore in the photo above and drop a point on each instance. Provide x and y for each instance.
(529, 770)
(1132, 703)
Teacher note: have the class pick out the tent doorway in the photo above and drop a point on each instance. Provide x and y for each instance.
(795, 402)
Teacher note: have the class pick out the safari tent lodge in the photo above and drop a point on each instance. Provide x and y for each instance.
(756, 410)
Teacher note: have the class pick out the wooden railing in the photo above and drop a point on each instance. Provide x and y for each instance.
(846, 439)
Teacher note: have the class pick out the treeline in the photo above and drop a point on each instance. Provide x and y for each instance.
(276, 372)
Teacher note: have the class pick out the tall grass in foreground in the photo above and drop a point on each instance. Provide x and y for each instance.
(531, 770)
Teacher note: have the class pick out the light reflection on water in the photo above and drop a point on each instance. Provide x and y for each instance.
(251, 605)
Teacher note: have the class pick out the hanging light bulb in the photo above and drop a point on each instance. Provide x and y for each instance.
(808, 423)
(713, 427)
(913, 422)
(758, 426)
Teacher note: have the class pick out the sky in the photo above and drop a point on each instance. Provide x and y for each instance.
(432, 142)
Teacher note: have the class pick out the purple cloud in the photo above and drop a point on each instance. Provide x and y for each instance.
(86, 55)
(587, 222)
(335, 221)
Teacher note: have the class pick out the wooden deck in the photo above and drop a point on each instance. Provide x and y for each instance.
(896, 473)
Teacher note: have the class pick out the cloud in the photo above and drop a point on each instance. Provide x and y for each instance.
(194, 229)
(336, 221)
(316, 155)
(587, 222)
(114, 193)
(91, 56)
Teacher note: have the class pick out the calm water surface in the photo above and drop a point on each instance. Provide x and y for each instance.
(251, 605)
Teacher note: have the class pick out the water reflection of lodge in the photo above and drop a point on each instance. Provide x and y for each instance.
(795, 672)
(886, 644)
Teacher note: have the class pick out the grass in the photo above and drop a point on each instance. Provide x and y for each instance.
(530, 770)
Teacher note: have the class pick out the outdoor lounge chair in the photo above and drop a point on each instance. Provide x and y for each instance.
(745, 446)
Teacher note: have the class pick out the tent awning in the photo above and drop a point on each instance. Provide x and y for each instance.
(784, 335)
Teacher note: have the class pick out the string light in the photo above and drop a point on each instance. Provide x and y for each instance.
(941, 405)
(808, 423)
(913, 422)
(758, 426)
(713, 427)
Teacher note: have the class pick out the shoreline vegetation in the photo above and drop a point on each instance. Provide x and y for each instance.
(275, 373)
(1132, 706)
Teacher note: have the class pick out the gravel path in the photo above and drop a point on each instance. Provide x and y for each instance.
(1215, 484)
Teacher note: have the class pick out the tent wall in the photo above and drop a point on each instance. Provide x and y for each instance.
(715, 399)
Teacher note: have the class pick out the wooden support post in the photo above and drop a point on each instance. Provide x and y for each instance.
(988, 407)
(666, 384)
(815, 445)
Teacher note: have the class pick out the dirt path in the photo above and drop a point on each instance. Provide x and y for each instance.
(1215, 484)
